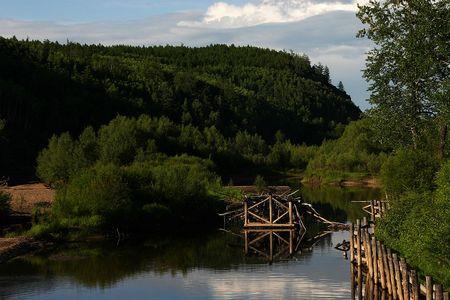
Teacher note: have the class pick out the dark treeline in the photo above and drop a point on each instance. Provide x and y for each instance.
(47, 88)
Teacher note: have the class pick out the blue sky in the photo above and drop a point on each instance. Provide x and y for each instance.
(323, 29)
(96, 10)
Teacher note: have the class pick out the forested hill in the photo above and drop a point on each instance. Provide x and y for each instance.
(48, 88)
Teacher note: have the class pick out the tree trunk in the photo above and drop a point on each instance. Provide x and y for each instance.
(442, 140)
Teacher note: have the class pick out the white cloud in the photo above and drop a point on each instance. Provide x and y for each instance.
(224, 15)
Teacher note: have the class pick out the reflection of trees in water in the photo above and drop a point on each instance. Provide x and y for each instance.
(104, 264)
(336, 202)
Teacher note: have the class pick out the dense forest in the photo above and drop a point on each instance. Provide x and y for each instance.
(48, 88)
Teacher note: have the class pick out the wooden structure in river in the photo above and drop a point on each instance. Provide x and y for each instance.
(276, 211)
(269, 211)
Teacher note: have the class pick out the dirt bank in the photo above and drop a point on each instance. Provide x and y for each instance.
(26, 196)
(13, 247)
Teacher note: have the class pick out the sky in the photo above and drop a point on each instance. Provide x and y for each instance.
(325, 30)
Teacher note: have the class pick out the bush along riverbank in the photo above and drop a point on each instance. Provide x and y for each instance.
(116, 180)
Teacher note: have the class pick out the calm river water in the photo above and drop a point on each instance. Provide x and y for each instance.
(209, 265)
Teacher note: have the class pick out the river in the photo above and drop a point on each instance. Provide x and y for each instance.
(195, 265)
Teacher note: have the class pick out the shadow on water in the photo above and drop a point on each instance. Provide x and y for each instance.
(211, 265)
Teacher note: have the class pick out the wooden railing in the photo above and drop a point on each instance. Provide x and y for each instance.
(385, 268)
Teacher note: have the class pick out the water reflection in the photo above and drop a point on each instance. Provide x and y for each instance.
(211, 265)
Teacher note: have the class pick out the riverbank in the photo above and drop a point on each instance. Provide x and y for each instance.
(17, 246)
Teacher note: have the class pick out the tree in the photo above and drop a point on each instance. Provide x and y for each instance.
(408, 70)
(341, 86)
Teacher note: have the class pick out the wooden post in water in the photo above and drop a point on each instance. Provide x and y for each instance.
(245, 212)
(246, 241)
(439, 292)
(270, 210)
(372, 211)
(429, 287)
(391, 273)
(291, 222)
(381, 265)
(386, 269)
(398, 280)
(405, 278)
(415, 288)
(375, 260)
(352, 277)
(352, 244)
(358, 242)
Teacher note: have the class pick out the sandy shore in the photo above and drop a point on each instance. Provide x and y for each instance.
(25, 197)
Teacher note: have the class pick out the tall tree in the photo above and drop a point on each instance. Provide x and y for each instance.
(341, 86)
(408, 70)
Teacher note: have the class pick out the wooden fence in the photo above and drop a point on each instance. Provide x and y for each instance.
(384, 267)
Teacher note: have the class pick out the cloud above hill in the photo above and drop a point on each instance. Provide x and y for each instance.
(226, 15)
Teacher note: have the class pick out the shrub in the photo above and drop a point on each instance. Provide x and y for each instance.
(98, 191)
(409, 170)
(260, 183)
(5, 204)
(58, 161)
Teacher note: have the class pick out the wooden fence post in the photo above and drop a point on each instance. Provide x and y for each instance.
(386, 269)
(368, 252)
(439, 292)
(415, 288)
(352, 244)
(375, 260)
(446, 296)
(358, 241)
(372, 211)
(381, 265)
(391, 273)
(245, 212)
(398, 280)
(405, 279)
(429, 287)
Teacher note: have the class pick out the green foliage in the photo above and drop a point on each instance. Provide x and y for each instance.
(408, 69)
(57, 162)
(5, 204)
(409, 170)
(260, 183)
(99, 192)
(355, 152)
(220, 90)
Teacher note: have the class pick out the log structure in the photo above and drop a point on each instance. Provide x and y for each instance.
(385, 272)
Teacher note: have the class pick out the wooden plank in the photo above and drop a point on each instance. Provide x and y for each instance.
(267, 225)
(259, 217)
